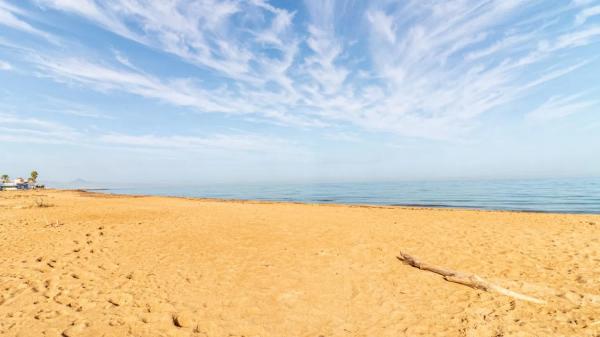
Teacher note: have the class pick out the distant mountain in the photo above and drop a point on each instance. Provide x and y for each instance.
(80, 181)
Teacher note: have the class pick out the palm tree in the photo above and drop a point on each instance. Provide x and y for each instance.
(34, 176)
(4, 178)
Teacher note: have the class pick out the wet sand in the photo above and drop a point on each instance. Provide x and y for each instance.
(87, 264)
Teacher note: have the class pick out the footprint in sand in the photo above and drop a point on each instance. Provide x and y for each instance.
(120, 299)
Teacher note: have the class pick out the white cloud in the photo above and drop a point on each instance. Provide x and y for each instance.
(199, 32)
(67, 107)
(279, 26)
(10, 17)
(382, 24)
(5, 65)
(551, 75)
(20, 129)
(242, 142)
(432, 68)
(180, 92)
(434, 92)
(322, 64)
(558, 107)
(587, 13)
(576, 39)
(512, 42)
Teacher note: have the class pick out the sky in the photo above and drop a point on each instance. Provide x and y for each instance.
(208, 91)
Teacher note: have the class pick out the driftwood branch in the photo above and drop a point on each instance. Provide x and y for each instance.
(467, 279)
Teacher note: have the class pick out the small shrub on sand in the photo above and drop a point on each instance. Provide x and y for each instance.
(40, 203)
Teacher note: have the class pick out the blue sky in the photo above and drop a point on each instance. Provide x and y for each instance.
(241, 91)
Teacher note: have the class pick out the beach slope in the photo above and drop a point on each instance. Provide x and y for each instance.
(85, 264)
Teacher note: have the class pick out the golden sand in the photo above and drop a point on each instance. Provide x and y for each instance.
(84, 264)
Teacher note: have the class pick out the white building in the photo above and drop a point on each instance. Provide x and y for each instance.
(17, 184)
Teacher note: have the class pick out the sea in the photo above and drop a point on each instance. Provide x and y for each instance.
(573, 195)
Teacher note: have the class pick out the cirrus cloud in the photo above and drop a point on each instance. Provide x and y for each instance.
(414, 68)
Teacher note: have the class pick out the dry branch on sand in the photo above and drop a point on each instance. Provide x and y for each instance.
(467, 279)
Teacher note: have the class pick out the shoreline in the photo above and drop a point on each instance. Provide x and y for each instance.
(395, 205)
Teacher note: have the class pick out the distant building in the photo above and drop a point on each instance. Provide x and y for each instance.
(8, 186)
(17, 184)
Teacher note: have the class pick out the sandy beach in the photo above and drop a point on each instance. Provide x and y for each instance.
(86, 264)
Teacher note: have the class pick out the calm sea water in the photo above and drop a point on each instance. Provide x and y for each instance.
(548, 195)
